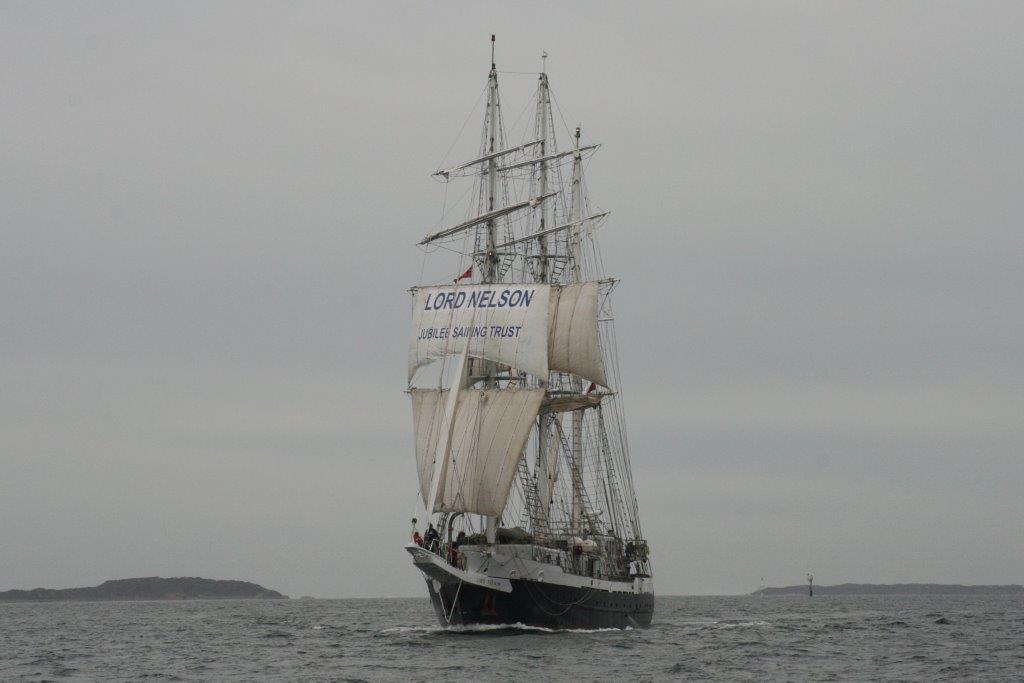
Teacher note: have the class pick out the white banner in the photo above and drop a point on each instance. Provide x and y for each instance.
(505, 323)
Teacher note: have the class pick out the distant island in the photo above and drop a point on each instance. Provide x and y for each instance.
(149, 588)
(896, 589)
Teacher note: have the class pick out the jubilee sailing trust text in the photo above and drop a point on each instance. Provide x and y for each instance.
(487, 298)
(482, 331)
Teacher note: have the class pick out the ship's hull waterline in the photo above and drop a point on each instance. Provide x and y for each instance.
(462, 599)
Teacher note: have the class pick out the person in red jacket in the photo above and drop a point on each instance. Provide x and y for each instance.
(416, 538)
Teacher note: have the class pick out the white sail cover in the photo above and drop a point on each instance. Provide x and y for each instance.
(573, 343)
(491, 428)
(506, 323)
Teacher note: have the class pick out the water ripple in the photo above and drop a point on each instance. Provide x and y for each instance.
(841, 638)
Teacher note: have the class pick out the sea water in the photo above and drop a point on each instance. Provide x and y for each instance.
(778, 638)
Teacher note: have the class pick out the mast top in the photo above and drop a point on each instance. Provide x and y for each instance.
(544, 62)
(493, 67)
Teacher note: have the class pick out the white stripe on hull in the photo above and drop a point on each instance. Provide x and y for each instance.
(496, 570)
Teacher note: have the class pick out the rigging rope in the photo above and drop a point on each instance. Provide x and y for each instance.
(448, 619)
(463, 128)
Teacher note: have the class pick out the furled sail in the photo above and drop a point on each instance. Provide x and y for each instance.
(484, 217)
(491, 428)
(569, 402)
(445, 173)
(539, 160)
(573, 342)
(547, 464)
(506, 323)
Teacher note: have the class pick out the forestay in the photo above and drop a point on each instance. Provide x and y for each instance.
(491, 428)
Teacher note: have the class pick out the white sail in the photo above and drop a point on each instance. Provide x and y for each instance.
(573, 342)
(490, 430)
(506, 323)
(443, 445)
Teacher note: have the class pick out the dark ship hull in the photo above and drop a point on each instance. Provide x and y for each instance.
(539, 604)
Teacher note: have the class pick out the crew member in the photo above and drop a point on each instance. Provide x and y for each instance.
(453, 550)
(416, 538)
(431, 538)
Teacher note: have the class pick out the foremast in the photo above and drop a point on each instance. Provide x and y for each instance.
(491, 173)
(490, 268)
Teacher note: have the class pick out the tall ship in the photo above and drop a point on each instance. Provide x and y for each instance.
(524, 471)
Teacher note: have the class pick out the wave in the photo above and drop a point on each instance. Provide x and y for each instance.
(716, 625)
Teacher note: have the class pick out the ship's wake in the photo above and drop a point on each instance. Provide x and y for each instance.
(493, 629)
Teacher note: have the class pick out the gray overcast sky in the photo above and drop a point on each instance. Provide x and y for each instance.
(207, 219)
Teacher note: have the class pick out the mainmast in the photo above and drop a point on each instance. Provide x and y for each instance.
(577, 208)
(577, 385)
(544, 106)
(544, 472)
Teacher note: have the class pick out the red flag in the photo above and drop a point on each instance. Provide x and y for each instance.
(592, 387)
(468, 273)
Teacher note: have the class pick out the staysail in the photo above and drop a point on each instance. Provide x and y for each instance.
(490, 429)
(533, 328)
